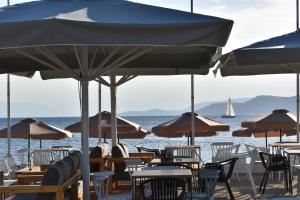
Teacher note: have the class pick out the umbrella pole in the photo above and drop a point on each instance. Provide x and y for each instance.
(192, 97)
(84, 81)
(113, 92)
(85, 139)
(99, 114)
(192, 112)
(298, 110)
(40, 143)
(280, 132)
(8, 118)
(29, 152)
(266, 138)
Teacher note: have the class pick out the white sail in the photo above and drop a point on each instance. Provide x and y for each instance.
(229, 109)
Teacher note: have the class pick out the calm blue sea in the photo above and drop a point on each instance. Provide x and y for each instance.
(150, 141)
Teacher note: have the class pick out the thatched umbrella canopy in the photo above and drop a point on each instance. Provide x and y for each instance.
(31, 128)
(263, 133)
(126, 129)
(181, 126)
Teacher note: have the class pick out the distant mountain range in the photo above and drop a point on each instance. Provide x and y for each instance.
(242, 106)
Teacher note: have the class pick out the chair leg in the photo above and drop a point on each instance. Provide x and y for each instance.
(265, 184)
(290, 185)
(262, 181)
(229, 190)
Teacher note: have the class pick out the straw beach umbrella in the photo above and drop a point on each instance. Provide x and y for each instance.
(181, 126)
(279, 120)
(86, 39)
(125, 128)
(31, 128)
(263, 133)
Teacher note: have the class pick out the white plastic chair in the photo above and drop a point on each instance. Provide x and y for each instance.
(41, 157)
(226, 153)
(4, 168)
(219, 145)
(243, 167)
(23, 157)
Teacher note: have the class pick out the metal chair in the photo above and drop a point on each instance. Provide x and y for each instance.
(275, 163)
(224, 175)
(23, 155)
(163, 189)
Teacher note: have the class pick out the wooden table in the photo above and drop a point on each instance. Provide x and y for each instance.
(33, 171)
(5, 184)
(283, 145)
(165, 173)
(187, 161)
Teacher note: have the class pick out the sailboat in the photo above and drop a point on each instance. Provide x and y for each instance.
(229, 110)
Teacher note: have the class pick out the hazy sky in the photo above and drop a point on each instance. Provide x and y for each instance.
(253, 21)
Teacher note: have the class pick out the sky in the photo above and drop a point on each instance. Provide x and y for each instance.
(253, 21)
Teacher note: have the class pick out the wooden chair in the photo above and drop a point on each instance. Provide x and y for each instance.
(117, 164)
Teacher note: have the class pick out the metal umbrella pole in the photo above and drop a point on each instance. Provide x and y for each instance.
(8, 118)
(99, 114)
(192, 98)
(297, 26)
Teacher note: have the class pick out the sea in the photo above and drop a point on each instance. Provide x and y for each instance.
(151, 141)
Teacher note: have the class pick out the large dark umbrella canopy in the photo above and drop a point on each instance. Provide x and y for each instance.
(181, 126)
(31, 128)
(111, 24)
(276, 55)
(125, 128)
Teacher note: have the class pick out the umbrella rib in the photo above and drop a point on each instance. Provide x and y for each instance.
(37, 59)
(58, 61)
(78, 59)
(94, 57)
(102, 81)
(127, 60)
(103, 63)
(125, 79)
(111, 65)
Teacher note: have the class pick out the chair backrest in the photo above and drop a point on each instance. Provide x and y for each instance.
(185, 152)
(118, 152)
(144, 149)
(225, 167)
(164, 189)
(274, 162)
(23, 155)
(207, 181)
(4, 167)
(219, 145)
(226, 153)
(133, 164)
(11, 164)
(41, 157)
